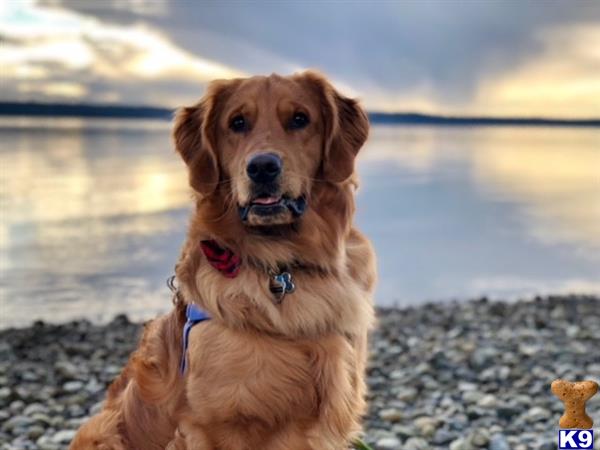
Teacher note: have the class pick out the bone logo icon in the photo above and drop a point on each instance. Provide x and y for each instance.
(574, 395)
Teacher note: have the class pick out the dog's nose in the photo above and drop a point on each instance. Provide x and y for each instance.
(264, 167)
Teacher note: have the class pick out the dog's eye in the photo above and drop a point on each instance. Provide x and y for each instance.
(299, 120)
(238, 124)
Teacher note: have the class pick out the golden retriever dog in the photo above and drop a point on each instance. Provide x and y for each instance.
(273, 258)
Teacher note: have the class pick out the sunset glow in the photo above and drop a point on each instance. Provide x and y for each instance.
(59, 53)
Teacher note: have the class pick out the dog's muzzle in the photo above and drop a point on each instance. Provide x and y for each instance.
(264, 171)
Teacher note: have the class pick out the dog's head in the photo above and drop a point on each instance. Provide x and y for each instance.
(259, 145)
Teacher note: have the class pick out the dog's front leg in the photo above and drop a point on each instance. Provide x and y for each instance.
(189, 437)
(340, 388)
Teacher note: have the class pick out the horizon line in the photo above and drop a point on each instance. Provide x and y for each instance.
(107, 110)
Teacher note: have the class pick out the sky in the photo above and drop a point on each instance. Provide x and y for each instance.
(496, 58)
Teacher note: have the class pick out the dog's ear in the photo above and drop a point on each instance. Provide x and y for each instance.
(346, 129)
(194, 135)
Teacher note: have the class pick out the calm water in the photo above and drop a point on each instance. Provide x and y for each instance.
(94, 213)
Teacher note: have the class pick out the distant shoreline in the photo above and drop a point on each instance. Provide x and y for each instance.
(148, 112)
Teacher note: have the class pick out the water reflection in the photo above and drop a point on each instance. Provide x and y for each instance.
(552, 175)
(459, 212)
(556, 175)
(94, 213)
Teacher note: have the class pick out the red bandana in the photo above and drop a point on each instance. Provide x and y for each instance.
(221, 258)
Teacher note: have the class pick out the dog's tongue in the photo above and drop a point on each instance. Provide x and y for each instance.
(265, 200)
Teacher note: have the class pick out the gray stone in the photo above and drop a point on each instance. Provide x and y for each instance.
(403, 431)
(537, 414)
(483, 357)
(499, 442)
(67, 370)
(388, 443)
(34, 408)
(63, 436)
(460, 444)
(480, 437)
(35, 431)
(16, 406)
(415, 443)
(406, 394)
(72, 386)
(472, 396)
(17, 422)
(507, 412)
(488, 401)
(5, 394)
(390, 415)
(442, 437)
(426, 425)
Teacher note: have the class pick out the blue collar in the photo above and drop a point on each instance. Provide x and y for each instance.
(194, 315)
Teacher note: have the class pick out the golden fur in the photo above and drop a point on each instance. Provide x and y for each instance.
(261, 374)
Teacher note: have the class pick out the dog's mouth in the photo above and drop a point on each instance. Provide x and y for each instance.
(266, 208)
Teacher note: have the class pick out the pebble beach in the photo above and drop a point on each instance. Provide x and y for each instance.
(460, 376)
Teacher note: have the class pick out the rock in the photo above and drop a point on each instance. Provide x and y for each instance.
(480, 437)
(67, 370)
(483, 357)
(93, 386)
(499, 442)
(426, 425)
(537, 414)
(34, 408)
(72, 386)
(45, 443)
(488, 401)
(529, 350)
(16, 406)
(29, 376)
(63, 437)
(41, 418)
(406, 394)
(388, 443)
(472, 396)
(443, 437)
(460, 444)
(403, 431)
(415, 443)
(464, 386)
(5, 395)
(507, 412)
(392, 415)
(35, 431)
(17, 422)
(112, 370)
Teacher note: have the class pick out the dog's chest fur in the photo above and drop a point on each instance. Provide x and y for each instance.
(244, 377)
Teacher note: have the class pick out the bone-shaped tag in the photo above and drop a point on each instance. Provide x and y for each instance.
(282, 284)
(574, 395)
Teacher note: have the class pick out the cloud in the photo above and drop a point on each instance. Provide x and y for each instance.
(562, 80)
(436, 56)
(449, 57)
(55, 53)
